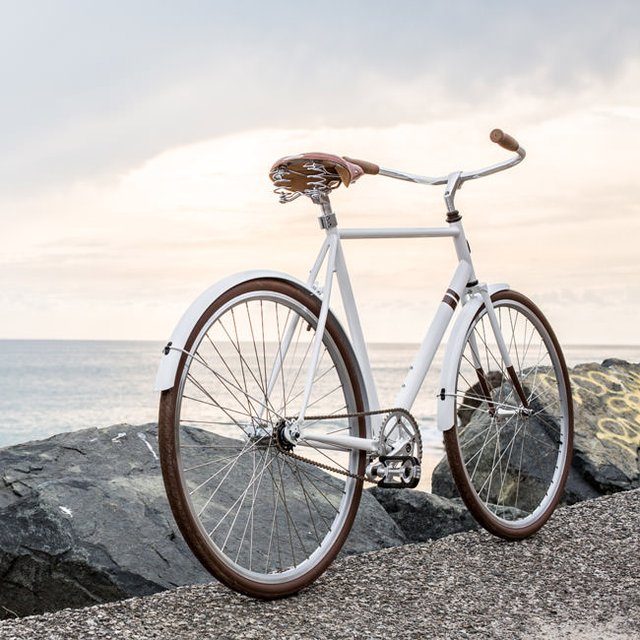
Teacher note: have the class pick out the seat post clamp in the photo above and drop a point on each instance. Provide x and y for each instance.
(328, 221)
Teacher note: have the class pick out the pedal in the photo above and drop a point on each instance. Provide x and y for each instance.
(398, 472)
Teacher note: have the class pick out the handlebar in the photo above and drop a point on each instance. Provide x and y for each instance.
(498, 136)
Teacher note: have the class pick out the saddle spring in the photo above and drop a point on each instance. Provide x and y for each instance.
(314, 179)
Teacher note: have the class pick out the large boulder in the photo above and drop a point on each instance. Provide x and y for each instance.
(606, 401)
(526, 482)
(84, 519)
(424, 516)
(576, 489)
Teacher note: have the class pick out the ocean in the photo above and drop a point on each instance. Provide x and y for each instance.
(51, 386)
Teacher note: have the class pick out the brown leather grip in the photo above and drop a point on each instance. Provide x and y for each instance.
(504, 140)
(368, 167)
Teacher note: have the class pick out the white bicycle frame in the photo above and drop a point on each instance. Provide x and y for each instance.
(463, 287)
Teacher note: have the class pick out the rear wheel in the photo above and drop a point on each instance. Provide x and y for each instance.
(258, 518)
(510, 458)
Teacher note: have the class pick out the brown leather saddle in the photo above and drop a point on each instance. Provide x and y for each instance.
(309, 171)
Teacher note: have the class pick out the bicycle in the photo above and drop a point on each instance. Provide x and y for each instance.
(269, 422)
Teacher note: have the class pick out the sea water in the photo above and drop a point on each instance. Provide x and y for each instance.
(47, 387)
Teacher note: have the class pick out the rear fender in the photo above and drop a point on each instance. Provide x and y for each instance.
(166, 375)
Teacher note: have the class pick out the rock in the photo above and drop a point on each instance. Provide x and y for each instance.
(607, 424)
(424, 516)
(84, 519)
(372, 529)
(606, 401)
(576, 489)
(526, 481)
(442, 483)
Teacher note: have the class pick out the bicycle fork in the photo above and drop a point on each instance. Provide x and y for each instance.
(483, 380)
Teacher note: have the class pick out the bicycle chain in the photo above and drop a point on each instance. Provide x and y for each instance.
(326, 467)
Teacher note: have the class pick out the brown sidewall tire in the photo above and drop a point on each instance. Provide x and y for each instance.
(169, 454)
(468, 494)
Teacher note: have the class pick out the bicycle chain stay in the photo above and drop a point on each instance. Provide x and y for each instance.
(326, 467)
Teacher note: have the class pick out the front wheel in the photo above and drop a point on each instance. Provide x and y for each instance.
(510, 448)
(258, 517)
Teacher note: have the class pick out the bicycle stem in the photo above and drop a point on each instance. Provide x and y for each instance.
(454, 180)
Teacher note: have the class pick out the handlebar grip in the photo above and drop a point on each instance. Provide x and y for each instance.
(504, 140)
(369, 168)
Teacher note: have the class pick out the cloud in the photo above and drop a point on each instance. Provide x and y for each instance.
(88, 90)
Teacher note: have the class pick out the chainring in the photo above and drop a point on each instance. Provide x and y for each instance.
(400, 435)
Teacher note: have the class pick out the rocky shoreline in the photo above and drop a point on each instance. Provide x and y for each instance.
(84, 518)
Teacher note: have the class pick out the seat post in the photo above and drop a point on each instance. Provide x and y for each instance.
(328, 219)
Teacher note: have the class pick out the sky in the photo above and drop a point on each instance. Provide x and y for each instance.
(136, 138)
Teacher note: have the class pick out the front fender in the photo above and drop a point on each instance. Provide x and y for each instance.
(170, 359)
(449, 373)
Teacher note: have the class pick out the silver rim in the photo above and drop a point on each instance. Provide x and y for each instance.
(513, 458)
(265, 515)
